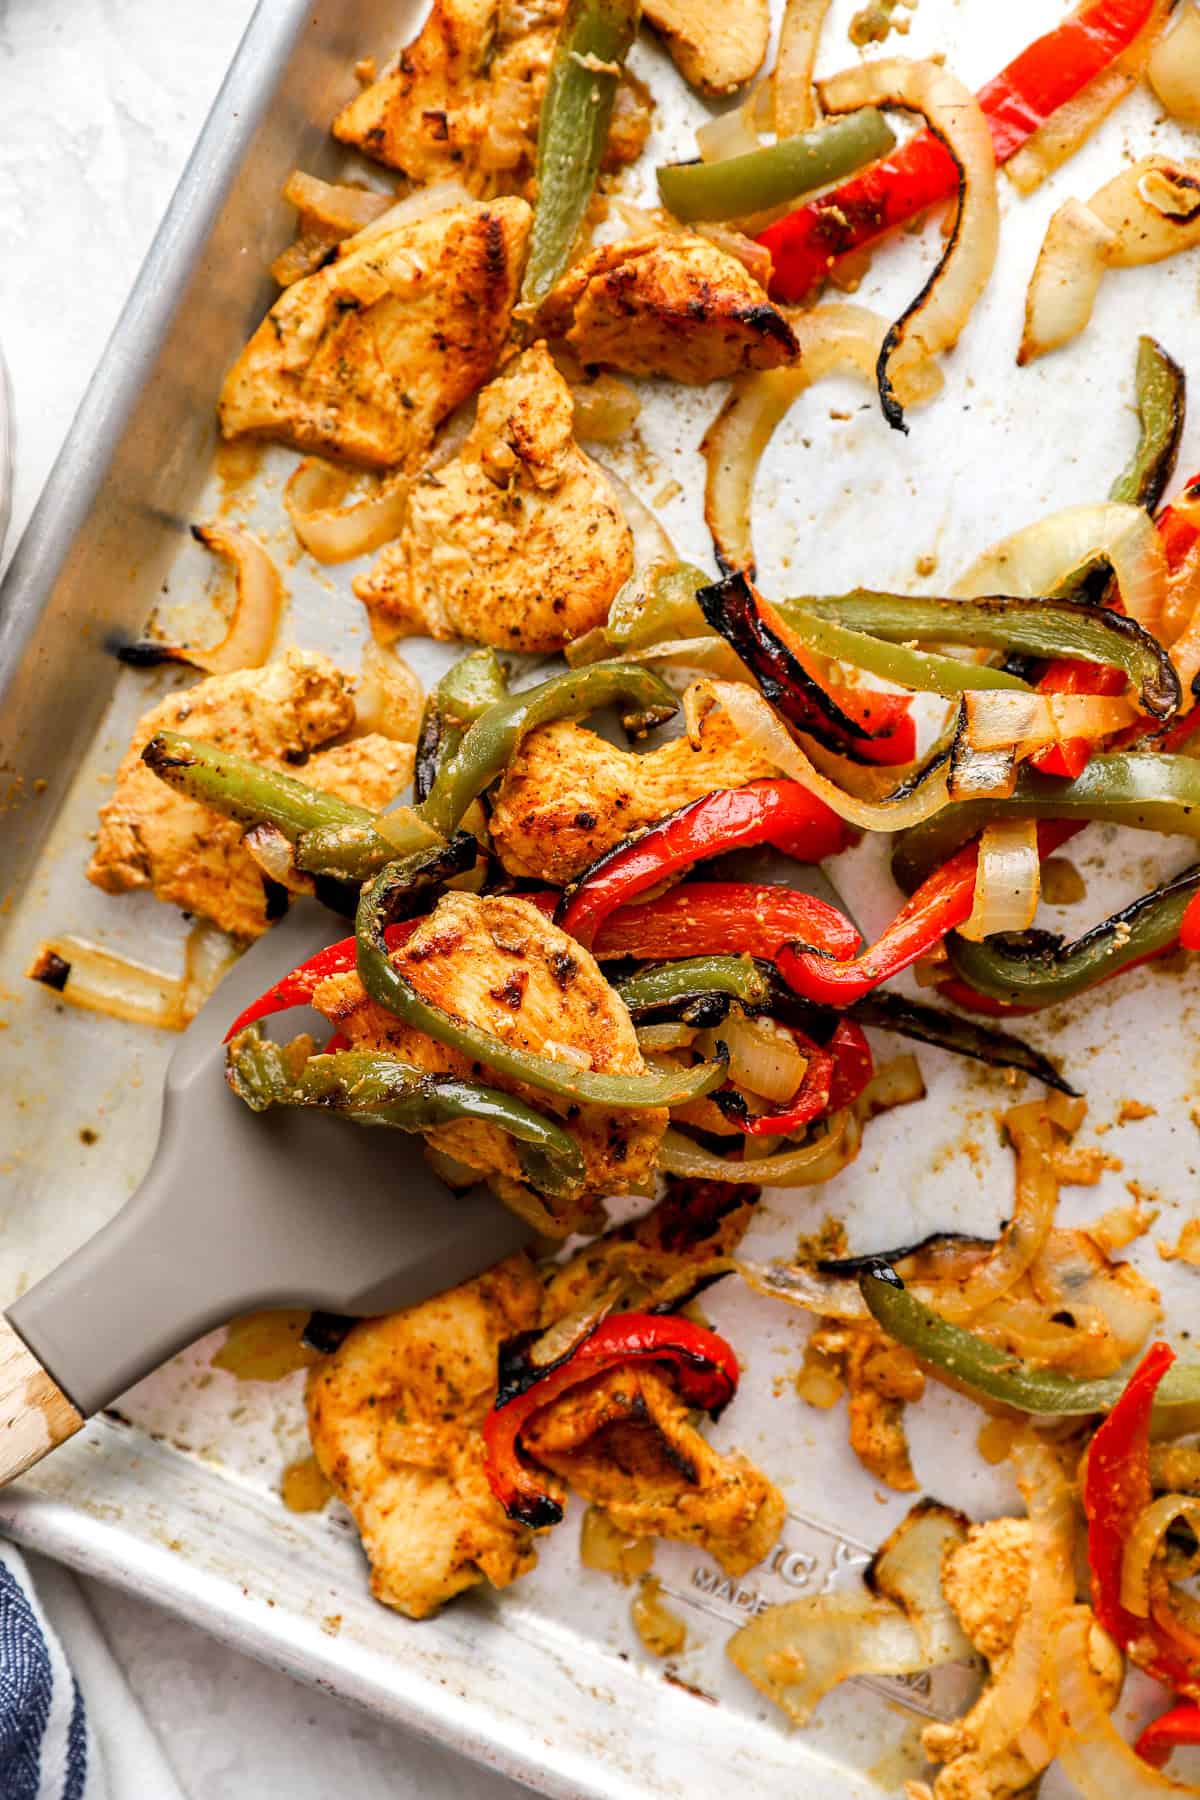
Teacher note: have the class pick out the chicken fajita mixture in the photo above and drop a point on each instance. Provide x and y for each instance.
(594, 947)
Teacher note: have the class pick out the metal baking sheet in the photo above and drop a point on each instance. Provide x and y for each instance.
(178, 1496)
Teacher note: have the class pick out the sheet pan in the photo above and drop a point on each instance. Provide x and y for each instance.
(176, 1494)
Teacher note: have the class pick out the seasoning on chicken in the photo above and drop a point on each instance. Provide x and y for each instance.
(462, 100)
(567, 796)
(986, 1581)
(625, 1442)
(674, 306)
(395, 1415)
(716, 48)
(364, 359)
(281, 715)
(881, 1377)
(497, 962)
(518, 541)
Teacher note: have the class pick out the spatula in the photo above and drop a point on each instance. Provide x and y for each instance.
(238, 1211)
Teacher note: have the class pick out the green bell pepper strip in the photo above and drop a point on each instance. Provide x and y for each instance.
(463, 695)
(488, 746)
(1042, 628)
(922, 670)
(664, 608)
(356, 852)
(391, 989)
(1140, 789)
(1161, 399)
(996, 1373)
(593, 41)
(374, 1089)
(1036, 968)
(703, 984)
(887, 1010)
(739, 186)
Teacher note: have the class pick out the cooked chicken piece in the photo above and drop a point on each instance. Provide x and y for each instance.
(518, 541)
(567, 796)
(673, 306)
(497, 962)
(364, 359)
(716, 48)
(462, 100)
(986, 1581)
(152, 837)
(395, 1415)
(881, 1377)
(625, 1442)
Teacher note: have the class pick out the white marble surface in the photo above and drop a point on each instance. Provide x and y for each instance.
(100, 102)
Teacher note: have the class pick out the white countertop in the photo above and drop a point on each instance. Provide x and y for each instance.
(100, 103)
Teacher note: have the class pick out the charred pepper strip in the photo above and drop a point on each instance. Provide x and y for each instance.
(745, 621)
(943, 901)
(888, 1011)
(921, 173)
(593, 42)
(835, 1076)
(1180, 1725)
(464, 694)
(1036, 968)
(698, 989)
(1142, 790)
(778, 812)
(490, 742)
(1116, 1489)
(391, 989)
(1042, 628)
(380, 1090)
(1161, 403)
(738, 186)
(994, 1372)
(703, 1365)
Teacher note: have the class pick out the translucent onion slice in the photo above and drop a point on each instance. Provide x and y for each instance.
(1005, 718)
(833, 339)
(651, 540)
(792, 81)
(254, 621)
(1145, 1542)
(763, 1057)
(1065, 281)
(1033, 560)
(805, 1167)
(909, 804)
(1093, 1753)
(388, 699)
(1173, 69)
(934, 321)
(606, 409)
(1008, 882)
(731, 133)
(341, 513)
(98, 980)
(420, 204)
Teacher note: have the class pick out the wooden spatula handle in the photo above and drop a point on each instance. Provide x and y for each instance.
(35, 1414)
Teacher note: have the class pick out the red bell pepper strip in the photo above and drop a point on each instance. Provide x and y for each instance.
(1179, 536)
(942, 902)
(1189, 926)
(714, 918)
(835, 1076)
(1181, 1725)
(778, 812)
(704, 1366)
(298, 988)
(1116, 1489)
(922, 172)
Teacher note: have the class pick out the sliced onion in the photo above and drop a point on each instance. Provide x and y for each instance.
(833, 339)
(805, 1167)
(420, 204)
(1072, 1274)
(792, 82)
(907, 1569)
(254, 620)
(1008, 881)
(1058, 138)
(1153, 210)
(275, 855)
(935, 319)
(761, 727)
(1174, 66)
(1144, 1543)
(1007, 719)
(328, 213)
(651, 541)
(330, 524)
(763, 1057)
(1033, 560)
(979, 774)
(1066, 279)
(731, 133)
(102, 981)
(1093, 1753)
(388, 698)
(606, 409)
(671, 1034)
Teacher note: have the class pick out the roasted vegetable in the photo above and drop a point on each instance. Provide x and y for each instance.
(737, 186)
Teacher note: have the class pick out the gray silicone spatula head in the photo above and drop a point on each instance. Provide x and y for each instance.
(242, 1210)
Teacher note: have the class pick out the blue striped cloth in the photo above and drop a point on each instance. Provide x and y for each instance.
(47, 1751)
